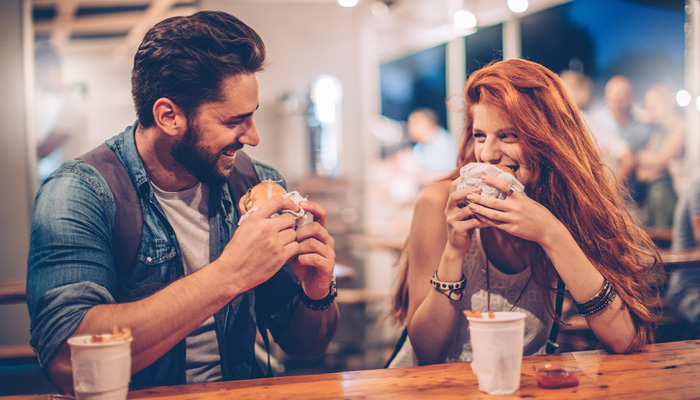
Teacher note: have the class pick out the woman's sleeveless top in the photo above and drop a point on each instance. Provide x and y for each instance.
(505, 296)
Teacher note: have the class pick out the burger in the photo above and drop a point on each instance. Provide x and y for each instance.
(259, 194)
(264, 191)
(505, 168)
(472, 173)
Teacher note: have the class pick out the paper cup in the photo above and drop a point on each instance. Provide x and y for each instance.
(101, 370)
(497, 351)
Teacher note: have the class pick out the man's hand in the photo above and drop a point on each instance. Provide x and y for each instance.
(261, 245)
(315, 258)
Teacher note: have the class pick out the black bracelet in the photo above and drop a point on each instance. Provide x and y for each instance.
(320, 304)
(598, 302)
(453, 290)
(597, 298)
(608, 299)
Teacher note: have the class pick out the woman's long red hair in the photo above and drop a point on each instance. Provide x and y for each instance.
(570, 179)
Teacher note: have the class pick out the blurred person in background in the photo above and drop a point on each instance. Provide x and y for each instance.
(615, 150)
(683, 293)
(571, 223)
(434, 149)
(686, 220)
(657, 158)
(620, 117)
(60, 114)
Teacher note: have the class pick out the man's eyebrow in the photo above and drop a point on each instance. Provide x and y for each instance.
(243, 116)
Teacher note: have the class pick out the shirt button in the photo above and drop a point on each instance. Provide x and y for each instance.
(149, 259)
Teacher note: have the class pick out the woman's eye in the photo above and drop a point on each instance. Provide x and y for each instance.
(508, 137)
(479, 137)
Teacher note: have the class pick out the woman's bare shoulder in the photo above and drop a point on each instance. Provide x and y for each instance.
(434, 194)
(432, 199)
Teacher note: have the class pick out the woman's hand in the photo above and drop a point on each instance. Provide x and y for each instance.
(517, 214)
(460, 221)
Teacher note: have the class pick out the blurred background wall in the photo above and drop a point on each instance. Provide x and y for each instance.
(16, 164)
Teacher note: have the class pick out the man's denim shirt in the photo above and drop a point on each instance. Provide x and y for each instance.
(71, 268)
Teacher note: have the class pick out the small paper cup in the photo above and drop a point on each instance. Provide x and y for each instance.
(497, 351)
(101, 370)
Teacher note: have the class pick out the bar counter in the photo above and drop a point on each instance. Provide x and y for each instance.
(665, 370)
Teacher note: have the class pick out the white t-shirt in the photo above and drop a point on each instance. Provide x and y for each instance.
(505, 290)
(188, 213)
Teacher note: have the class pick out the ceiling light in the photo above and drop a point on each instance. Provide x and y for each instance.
(347, 3)
(517, 6)
(463, 19)
(683, 98)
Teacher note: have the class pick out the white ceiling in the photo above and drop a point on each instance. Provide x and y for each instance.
(99, 25)
(117, 26)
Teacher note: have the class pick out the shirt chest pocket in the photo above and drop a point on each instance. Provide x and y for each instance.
(156, 265)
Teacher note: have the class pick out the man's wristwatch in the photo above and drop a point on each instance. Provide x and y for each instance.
(320, 304)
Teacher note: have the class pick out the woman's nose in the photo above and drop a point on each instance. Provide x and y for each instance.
(490, 151)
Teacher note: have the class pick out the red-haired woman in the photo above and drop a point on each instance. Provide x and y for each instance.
(570, 223)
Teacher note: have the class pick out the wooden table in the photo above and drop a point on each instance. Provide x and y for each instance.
(660, 371)
(680, 259)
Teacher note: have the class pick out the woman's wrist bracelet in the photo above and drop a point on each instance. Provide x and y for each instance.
(453, 290)
(592, 302)
(601, 300)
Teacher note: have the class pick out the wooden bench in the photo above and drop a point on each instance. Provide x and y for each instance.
(16, 352)
(12, 291)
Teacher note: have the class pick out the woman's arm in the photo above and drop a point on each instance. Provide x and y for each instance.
(529, 220)
(612, 325)
(438, 240)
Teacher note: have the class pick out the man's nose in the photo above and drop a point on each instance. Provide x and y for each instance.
(251, 137)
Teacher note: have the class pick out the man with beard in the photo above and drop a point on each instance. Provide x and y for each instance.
(199, 285)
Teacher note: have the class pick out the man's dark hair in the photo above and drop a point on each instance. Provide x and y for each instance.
(185, 59)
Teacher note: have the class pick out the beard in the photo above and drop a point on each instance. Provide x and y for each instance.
(198, 160)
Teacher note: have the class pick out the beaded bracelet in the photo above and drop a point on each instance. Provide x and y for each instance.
(449, 288)
(320, 304)
(601, 300)
(592, 302)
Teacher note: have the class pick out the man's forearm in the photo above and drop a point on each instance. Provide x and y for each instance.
(310, 332)
(157, 322)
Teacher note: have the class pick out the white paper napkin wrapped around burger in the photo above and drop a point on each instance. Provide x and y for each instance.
(471, 177)
(302, 217)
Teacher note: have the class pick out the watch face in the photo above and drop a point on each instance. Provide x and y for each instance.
(334, 288)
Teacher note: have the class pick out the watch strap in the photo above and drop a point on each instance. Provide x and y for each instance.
(320, 304)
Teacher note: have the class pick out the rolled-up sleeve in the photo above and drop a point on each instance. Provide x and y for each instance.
(59, 313)
(70, 267)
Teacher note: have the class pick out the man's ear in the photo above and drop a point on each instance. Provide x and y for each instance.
(169, 117)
